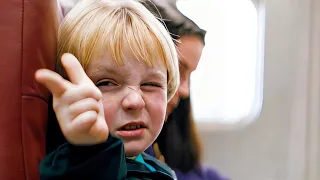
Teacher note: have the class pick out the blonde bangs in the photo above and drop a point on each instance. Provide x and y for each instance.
(81, 36)
(129, 31)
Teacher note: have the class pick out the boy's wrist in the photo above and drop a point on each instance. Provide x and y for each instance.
(81, 153)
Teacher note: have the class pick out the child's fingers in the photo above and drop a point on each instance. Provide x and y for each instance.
(77, 93)
(74, 69)
(53, 81)
(100, 129)
(83, 122)
(88, 104)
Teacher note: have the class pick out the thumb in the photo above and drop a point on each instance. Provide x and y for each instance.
(53, 81)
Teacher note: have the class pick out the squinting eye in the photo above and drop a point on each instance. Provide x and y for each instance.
(151, 84)
(105, 83)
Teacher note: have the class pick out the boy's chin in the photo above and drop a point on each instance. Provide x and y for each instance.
(134, 148)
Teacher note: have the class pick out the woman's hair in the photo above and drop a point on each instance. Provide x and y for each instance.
(179, 141)
(175, 21)
(94, 27)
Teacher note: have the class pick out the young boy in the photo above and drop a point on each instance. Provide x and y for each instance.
(118, 70)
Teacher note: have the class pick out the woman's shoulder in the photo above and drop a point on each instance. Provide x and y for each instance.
(212, 173)
(201, 173)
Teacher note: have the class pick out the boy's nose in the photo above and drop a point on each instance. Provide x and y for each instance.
(133, 100)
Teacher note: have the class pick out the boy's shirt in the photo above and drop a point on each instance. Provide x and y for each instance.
(105, 161)
(140, 159)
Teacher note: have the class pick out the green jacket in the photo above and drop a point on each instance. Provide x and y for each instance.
(105, 161)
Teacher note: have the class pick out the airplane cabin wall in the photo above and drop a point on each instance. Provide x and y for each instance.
(283, 143)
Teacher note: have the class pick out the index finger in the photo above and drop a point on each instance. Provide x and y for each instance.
(53, 81)
(74, 69)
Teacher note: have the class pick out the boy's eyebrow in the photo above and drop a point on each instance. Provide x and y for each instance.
(156, 74)
(115, 72)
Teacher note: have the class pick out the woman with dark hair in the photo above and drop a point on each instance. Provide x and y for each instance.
(179, 143)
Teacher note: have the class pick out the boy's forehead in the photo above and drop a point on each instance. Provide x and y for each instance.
(126, 58)
(131, 64)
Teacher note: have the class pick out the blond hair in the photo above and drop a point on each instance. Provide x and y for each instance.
(95, 26)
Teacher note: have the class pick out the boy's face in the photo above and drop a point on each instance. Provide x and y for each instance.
(134, 99)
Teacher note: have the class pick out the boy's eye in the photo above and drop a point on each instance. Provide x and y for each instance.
(105, 83)
(151, 84)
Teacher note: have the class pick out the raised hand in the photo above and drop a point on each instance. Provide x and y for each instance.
(77, 104)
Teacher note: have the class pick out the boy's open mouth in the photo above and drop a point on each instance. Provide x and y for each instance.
(132, 126)
(130, 130)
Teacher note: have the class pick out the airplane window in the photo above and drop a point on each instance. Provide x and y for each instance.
(227, 86)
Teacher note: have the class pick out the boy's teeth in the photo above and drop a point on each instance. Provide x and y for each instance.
(132, 127)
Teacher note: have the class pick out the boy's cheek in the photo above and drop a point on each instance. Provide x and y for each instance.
(159, 110)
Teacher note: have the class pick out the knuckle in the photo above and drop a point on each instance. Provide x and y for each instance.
(93, 91)
(67, 129)
(93, 105)
(68, 96)
(87, 117)
(92, 115)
